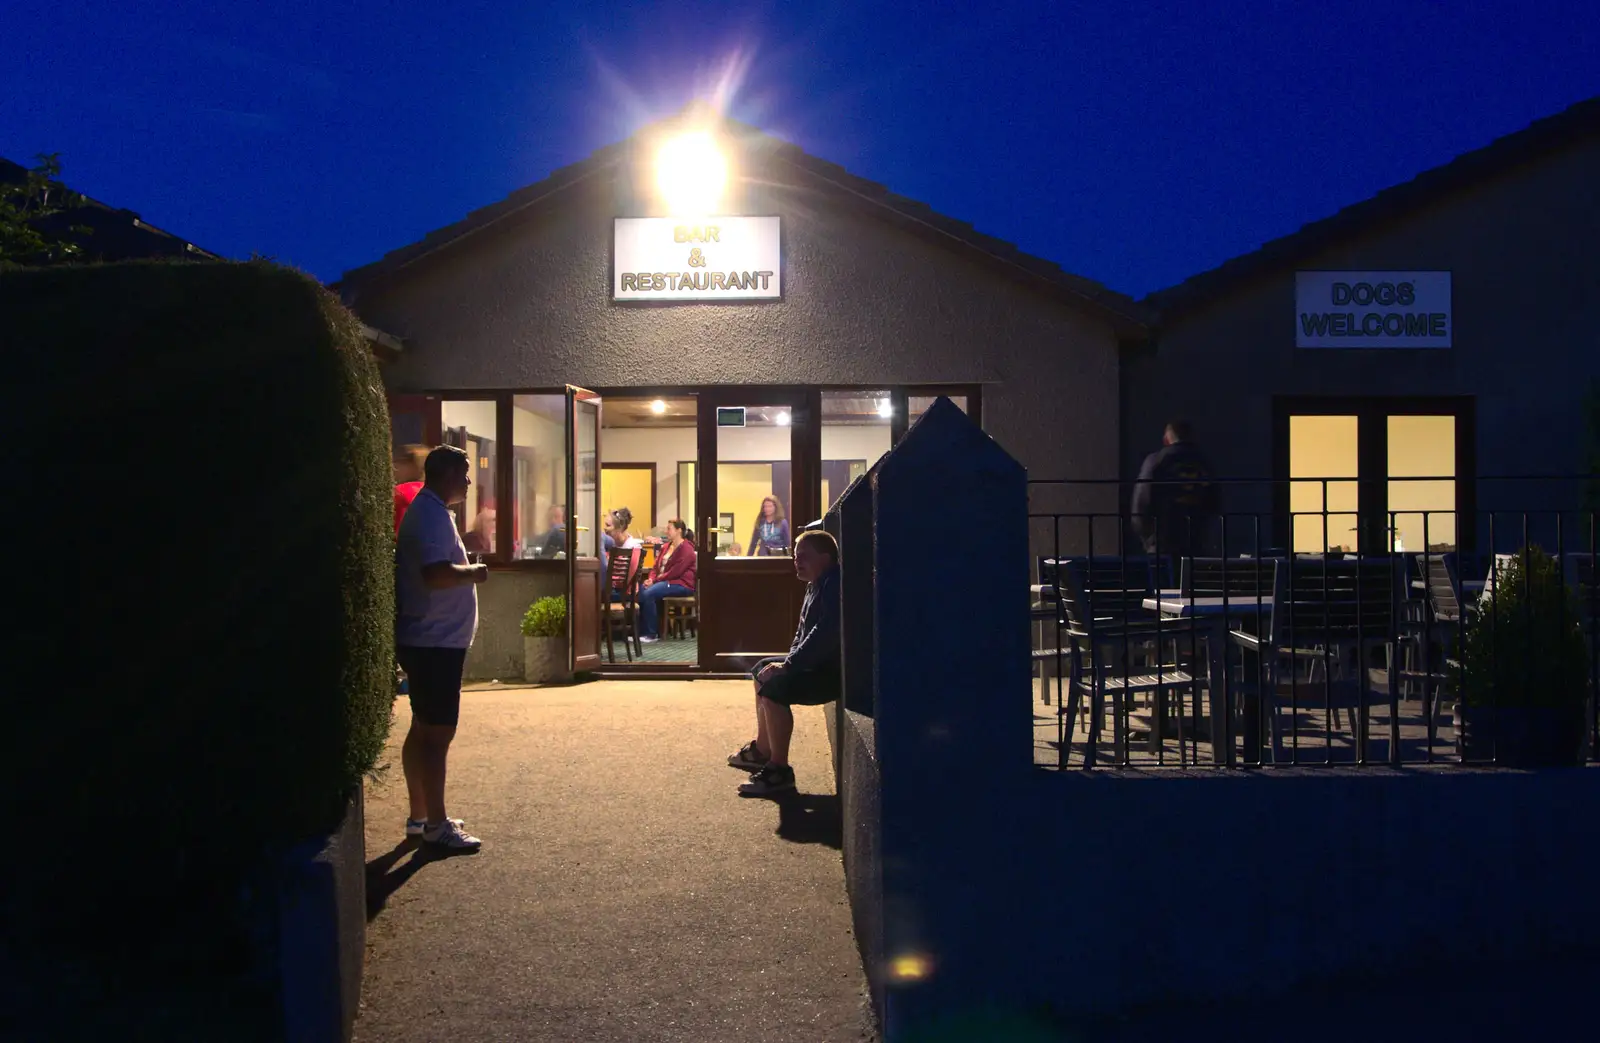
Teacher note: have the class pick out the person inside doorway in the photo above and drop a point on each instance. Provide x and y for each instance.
(554, 539)
(807, 676)
(672, 577)
(770, 538)
(436, 620)
(408, 462)
(1175, 502)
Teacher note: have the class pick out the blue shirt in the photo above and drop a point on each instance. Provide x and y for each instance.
(816, 639)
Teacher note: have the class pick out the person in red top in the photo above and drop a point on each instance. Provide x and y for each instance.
(672, 577)
(408, 479)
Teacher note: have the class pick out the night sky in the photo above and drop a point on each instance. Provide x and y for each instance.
(1135, 144)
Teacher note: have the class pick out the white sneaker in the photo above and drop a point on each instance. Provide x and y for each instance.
(415, 827)
(648, 640)
(449, 834)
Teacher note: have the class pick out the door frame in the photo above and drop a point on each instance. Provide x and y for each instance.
(1372, 455)
(584, 581)
(805, 455)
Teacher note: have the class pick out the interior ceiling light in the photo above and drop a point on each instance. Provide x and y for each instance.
(783, 419)
(691, 174)
(658, 407)
(885, 409)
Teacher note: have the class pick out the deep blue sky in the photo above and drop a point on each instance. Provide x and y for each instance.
(1132, 143)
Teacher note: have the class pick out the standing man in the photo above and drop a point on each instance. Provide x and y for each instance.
(1175, 500)
(807, 676)
(435, 622)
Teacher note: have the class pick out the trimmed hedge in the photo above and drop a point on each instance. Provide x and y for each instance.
(201, 483)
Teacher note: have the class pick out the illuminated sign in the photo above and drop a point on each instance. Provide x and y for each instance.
(1372, 309)
(715, 259)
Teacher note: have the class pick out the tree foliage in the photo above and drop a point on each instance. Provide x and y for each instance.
(24, 206)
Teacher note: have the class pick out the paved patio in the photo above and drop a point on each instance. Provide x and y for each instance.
(624, 891)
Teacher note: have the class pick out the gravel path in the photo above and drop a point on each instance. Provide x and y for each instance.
(624, 891)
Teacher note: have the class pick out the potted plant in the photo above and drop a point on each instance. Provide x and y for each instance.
(1524, 670)
(544, 641)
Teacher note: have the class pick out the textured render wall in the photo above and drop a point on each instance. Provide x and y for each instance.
(866, 303)
(496, 654)
(1526, 289)
(1176, 887)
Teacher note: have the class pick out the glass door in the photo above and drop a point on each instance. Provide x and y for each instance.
(757, 479)
(1375, 475)
(583, 534)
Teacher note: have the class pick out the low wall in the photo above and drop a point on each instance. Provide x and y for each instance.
(855, 752)
(496, 654)
(1167, 887)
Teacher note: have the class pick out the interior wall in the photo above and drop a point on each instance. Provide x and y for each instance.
(667, 447)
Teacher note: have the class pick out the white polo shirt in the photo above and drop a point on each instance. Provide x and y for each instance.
(426, 618)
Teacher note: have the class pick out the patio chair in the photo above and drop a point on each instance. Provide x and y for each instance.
(623, 574)
(1328, 616)
(1118, 586)
(1102, 640)
(1431, 621)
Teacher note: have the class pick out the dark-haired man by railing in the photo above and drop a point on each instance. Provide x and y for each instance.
(1175, 502)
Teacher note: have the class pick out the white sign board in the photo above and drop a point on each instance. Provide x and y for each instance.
(1372, 309)
(717, 259)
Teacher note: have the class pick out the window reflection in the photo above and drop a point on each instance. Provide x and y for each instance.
(470, 426)
(856, 431)
(539, 476)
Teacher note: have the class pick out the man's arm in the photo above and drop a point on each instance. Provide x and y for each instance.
(442, 575)
(1141, 506)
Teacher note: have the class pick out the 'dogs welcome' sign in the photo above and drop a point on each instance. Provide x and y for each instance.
(719, 258)
(1372, 309)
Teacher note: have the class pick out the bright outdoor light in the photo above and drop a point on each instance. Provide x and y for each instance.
(783, 419)
(884, 409)
(910, 967)
(658, 407)
(691, 174)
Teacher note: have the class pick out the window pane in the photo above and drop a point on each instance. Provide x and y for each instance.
(587, 478)
(470, 425)
(539, 470)
(754, 486)
(855, 432)
(1323, 447)
(1422, 493)
(916, 405)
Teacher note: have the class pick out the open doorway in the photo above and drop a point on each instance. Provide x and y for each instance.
(648, 446)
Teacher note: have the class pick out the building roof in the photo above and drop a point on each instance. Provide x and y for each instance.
(1565, 129)
(115, 234)
(1131, 318)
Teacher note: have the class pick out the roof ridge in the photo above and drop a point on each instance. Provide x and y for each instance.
(1540, 137)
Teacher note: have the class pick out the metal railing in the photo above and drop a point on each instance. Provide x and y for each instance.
(1220, 639)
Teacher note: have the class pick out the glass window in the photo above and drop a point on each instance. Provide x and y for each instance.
(1323, 512)
(916, 405)
(855, 432)
(587, 479)
(539, 476)
(1422, 490)
(470, 425)
(755, 478)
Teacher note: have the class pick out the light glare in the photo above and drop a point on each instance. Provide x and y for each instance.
(783, 419)
(658, 407)
(884, 409)
(691, 174)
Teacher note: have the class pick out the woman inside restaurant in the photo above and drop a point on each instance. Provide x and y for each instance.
(770, 537)
(672, 577)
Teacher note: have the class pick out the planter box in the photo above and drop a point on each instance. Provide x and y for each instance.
(545, 661)
(1521, 736)
(321, 931)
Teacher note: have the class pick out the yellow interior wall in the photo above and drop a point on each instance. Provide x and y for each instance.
(1323, 447)
(1423, 445)
(627, 487)
(740, 490)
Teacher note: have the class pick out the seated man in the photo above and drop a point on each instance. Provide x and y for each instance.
(554, 539)
(807, 676)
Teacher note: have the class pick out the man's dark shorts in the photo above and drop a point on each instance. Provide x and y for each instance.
(434, 675)
(790, 688)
